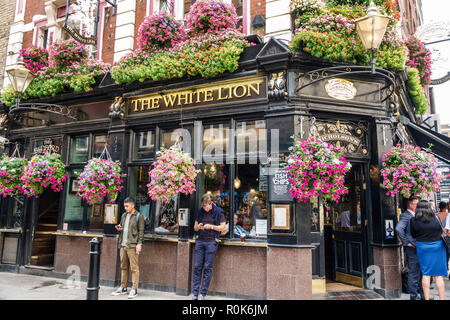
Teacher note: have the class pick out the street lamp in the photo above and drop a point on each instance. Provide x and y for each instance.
(20, 78)
(371, 30)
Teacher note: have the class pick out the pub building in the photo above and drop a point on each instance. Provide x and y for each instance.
(237, 127)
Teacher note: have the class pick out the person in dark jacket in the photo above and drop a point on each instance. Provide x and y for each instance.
(409, 247)
(427, 229)
(210, 222)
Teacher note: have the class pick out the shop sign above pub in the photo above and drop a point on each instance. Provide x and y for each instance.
(216, 93)
(340, 89)
(348, 135)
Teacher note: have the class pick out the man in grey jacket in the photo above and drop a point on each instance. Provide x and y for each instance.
(403, 229)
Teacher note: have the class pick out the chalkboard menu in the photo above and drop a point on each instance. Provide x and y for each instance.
(279, 185)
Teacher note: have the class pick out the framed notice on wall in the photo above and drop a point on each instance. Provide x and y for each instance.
(279, 185)
(281, 216)
(111, 212)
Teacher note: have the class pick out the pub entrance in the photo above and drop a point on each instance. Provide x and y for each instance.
(41, 225)
(343, 248)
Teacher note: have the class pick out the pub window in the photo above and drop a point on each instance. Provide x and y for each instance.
(346, 215)
(215, 142)
(238, 4)
(3, 214)
(74, 208)
(250, 201)
(139, 179)
(79, 150)
(176, 138)
(144, 145)
(99, 145)
(214, 179)
(315, 215)
(251, 138)
(166, 218)
(12, 218)
(164, 6)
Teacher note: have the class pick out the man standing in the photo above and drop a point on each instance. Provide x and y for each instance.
(131, 237)
(403, 229)
(209, 224)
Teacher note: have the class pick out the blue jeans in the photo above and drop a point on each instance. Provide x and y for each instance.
(414, 273)
(204, 254)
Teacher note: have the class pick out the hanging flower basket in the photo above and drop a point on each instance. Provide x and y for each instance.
(211, 16)
(173, 173)
(314, 166)
(11, 169)
(100, 177)
(409, 171)
(43, 171)
(160, 31)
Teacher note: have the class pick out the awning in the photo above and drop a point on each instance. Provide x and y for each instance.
(423, 136)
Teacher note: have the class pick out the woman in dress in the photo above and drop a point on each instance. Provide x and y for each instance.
(427, 229)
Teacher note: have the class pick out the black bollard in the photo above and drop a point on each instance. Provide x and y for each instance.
(94, 270)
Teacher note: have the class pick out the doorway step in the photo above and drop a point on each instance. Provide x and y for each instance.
(341, 291)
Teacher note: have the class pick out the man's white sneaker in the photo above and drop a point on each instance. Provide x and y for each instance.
(120, 291)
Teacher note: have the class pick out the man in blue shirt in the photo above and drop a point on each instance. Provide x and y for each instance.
(209, 224)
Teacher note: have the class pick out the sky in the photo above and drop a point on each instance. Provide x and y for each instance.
(434, 11)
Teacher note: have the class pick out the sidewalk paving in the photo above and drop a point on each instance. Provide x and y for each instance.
(15, 286)
(433, 291)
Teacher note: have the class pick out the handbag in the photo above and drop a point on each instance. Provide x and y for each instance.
(445, 239)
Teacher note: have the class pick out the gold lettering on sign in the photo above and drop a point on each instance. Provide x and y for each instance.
(208, 95)
(243, 89)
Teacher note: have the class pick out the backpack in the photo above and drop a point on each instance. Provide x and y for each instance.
(137, 219)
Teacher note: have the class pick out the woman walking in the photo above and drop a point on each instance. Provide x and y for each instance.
(427, 229)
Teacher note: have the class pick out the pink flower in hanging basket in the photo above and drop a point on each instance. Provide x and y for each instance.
(100, 178)
(174, 172)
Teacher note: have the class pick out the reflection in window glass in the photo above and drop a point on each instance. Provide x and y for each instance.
(346, 215)
(251, 138)
(166, 218)
(79, 150)
(73, 216)
(17, 213)
(164, 6)
(238, 5)
(174, 139)
(215, 142)
(250, 207)
(139, 179)
(144, 145)
(214, 180)
(99, 145)
(315, 214)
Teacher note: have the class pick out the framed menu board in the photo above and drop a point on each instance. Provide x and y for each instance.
(279, 185)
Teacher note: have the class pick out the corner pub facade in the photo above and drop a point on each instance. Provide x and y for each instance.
(292, 252)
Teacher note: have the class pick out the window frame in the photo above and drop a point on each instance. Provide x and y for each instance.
(232, 161)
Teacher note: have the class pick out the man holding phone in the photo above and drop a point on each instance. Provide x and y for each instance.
(131, 238)
(209, 224)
